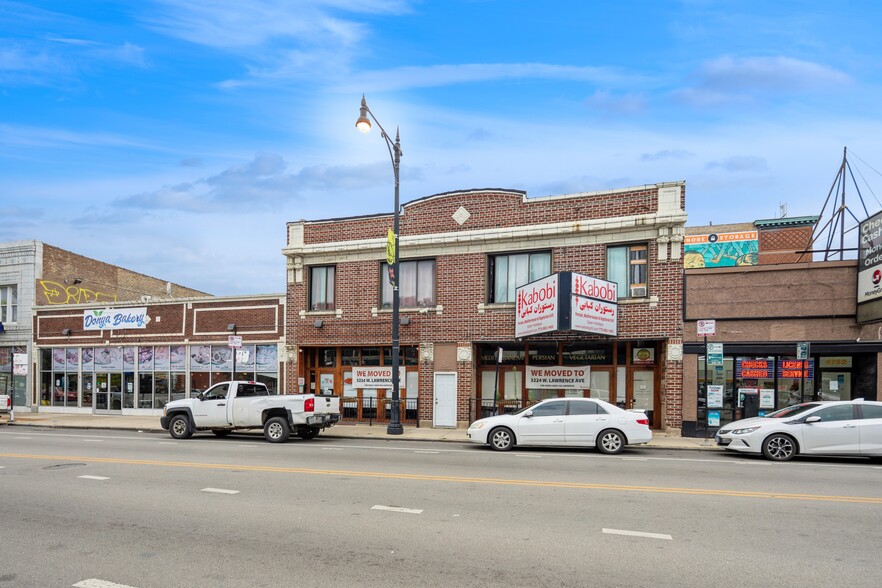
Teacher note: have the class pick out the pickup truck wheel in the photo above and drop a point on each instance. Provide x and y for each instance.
(221, 432)
(179, 427)
(309, 432)
(277, 430)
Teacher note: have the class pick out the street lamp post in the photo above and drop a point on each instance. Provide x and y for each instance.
(363, 124)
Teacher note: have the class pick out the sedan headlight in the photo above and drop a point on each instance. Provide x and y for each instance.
(478, 425)
(744, 431)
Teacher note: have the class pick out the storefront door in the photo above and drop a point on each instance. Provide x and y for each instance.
(108, 392)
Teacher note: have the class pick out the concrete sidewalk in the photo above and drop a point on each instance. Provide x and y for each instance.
(377, 431)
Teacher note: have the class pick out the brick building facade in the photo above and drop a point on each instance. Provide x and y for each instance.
(462, 256)
(762, 313)
(34, 273)
(181, 349)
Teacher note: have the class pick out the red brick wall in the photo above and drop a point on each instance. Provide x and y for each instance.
(461, 282)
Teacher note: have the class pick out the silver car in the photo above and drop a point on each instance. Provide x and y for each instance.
(846, 427)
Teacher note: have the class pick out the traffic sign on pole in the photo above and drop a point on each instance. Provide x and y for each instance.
(707, 327)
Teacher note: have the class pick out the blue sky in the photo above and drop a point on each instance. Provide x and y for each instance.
(176, 137)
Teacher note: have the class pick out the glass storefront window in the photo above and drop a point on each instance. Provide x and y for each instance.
(178, 386)
(199, 382)
(145, 390)
(328, 357)
(160, 389)
(370, 356)
(349, 356)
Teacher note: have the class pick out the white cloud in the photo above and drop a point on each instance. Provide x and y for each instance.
(667, 154)
(743, 163)
(746, 79)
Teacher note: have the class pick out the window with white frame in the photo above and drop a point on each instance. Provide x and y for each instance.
(510, 272)
(321, 287)
(627, 266)
(416, 284)
(8, 304)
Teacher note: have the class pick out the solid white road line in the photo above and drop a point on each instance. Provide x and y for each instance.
(397, 509)
(93, 477)
(96, 583)
(220, 491)
(638, 534)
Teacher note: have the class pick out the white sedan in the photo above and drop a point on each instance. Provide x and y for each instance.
(583, 422)
(847, 427)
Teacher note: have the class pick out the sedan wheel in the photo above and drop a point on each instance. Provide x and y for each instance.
(610, 442)
(779, 447)
(501, 439)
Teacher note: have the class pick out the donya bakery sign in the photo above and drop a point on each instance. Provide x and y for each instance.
(567, 301)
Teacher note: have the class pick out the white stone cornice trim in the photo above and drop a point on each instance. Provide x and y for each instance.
(484, 239)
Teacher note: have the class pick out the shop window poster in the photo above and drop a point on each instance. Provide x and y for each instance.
(73, 359)
(721, 250)
(221, 358)
(200, 358)
(5, 359)
(245, 358)
(178, 358)
(58, 359)
(128, 359)
(267, 358)
(108, 359)
(88, 358)
(145, 359)
(160, 358)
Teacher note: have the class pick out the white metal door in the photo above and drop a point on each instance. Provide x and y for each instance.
(444, 414)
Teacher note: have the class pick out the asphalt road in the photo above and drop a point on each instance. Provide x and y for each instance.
(143, 510)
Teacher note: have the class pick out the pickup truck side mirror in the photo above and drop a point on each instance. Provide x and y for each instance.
(813, 419)
(199, 396)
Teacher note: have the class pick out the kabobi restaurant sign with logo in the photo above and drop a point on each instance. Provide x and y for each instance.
(870, 260)
(559, 377)
(376, 377)
(111, 319)
(567, 301)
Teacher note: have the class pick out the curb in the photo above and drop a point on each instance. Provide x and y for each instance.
(153, 430)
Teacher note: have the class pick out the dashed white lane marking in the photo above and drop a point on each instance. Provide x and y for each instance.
(429, 452)
(93, 477)
(220, 491)
(94, 440)
(332, 448)
(24, 438)
(168, 442)
(527, 455)
(96, 583)
(397, 509)
(638, 534)
(1, 467)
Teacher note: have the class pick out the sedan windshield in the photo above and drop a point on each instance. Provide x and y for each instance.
(790, 411)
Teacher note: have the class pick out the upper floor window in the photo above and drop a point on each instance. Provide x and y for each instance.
(321, 287)
(416, 284)
(510, 272)
(627, 267)
(8, 304)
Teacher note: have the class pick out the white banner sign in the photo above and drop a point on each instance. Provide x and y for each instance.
(559, 377)
(376, 377)
(536, 307)
(766, 398)
(19, 364)
(111, 319)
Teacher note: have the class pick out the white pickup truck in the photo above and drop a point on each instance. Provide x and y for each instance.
(5, 403)
(243, 404)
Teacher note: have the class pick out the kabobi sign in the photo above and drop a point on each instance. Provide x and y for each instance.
(537, 307)
(594, 305)
(559, 377)
(376, 377)
(870, 259)
(567, 301)
(111, 319)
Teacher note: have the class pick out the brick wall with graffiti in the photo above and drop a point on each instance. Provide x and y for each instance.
(69, 278)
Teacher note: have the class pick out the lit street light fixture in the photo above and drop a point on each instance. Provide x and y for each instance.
(363, 124)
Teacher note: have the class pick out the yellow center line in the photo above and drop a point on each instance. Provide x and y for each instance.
(457, 479)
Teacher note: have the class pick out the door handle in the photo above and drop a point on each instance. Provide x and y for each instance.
(221, 403)
(849, 426)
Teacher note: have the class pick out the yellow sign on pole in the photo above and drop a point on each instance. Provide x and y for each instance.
(390, 247)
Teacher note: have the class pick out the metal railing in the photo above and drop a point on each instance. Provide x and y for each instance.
(481, 409)
(371, 410)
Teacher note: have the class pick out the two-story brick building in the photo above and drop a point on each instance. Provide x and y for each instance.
(463, 255)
